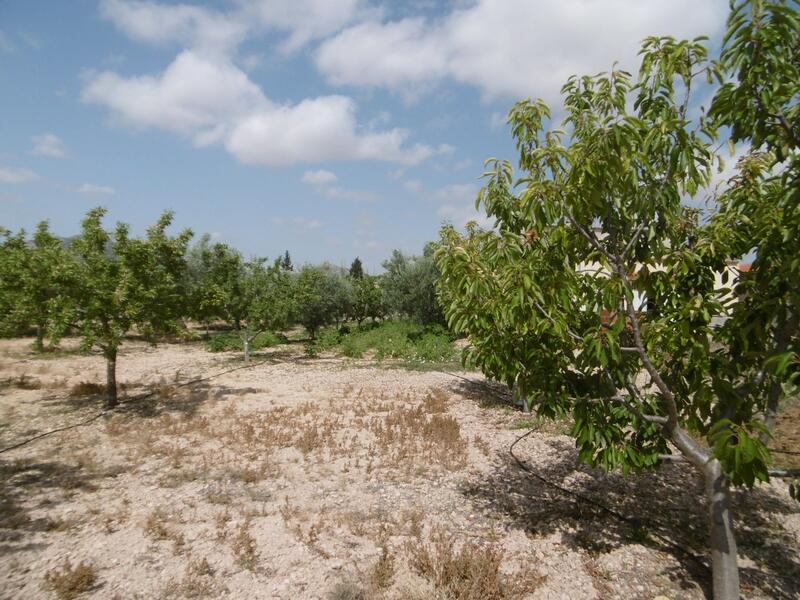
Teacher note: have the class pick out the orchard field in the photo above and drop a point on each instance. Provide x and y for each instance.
(332, 477)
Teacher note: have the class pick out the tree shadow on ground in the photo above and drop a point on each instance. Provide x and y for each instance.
(185, 400)
(665, 504)
(28, 484)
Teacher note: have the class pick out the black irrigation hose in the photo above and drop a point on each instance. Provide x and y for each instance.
(618, 515)
(789, 452)
(125, 401)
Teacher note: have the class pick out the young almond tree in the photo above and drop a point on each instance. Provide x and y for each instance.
(125, 283)
(596, 291)
(266, 300)
(37, 279)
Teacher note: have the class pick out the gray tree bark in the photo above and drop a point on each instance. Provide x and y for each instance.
(111, 378)
(724, 559)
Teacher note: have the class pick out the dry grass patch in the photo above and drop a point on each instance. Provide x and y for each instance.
(70, 582)
(244, 547)
(468, 572)
(86, 388)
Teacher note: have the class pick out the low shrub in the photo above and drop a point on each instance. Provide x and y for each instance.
(70, 582)
(231, 341)
(404, 340)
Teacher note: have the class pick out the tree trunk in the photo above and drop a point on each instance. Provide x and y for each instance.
(724, 559)
(246, 349)
(111, 378)
(38, 344)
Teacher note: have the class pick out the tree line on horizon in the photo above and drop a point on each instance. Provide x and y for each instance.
(102, 285)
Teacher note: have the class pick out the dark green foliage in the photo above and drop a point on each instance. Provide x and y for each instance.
(322, 295)
(554, 299)
(139, 284)
(368, 299)
(37, 281)
(402, 339)
(409, 286)
(356, 269)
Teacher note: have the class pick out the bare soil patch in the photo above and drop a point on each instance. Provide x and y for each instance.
(329, 478)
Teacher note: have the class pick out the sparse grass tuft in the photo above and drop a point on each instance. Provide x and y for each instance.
(470, 573)
(70, 582)
(347, 590)
(245, 549)
(382, 572)
(86, 388)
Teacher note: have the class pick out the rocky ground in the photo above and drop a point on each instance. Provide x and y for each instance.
(327, 478)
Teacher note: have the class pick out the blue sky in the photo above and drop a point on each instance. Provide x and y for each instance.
(328, 128)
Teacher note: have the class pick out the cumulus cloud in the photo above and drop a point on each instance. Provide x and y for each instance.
(317, 129)
(321, 177)
(458, 205)
(208, 30)
(193, 26)
(306, 20)
(48, 144)
(96, 190)
(508, 48)
(210, 100)
(17, 175)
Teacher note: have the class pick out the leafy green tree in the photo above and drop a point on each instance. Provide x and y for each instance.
(315, 298)
(356, 269)
(216, 275)
(125, 283)
(38, 277)
(367, 299)
(204, 301)
(267, 301)
(555, 299)
(409, 286)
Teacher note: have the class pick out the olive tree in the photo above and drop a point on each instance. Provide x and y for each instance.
(596, 292)
(36, 280)
(315, 295)
(125, 283)
(409, 286)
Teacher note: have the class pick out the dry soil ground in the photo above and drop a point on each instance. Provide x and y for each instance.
(325, 478)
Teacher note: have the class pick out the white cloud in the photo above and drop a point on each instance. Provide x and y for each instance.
(459, 205)
(17, 175)
(508, 48)
(306, 20)
(96, 190)
(314, 130)
(413, 185)
(321, 177)
(195, 96)
(213, 31)
(497, 121)
(457, 192)
(339, 193)
(307, 224)
(48, 144)
(210, 100)
(193, 26)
